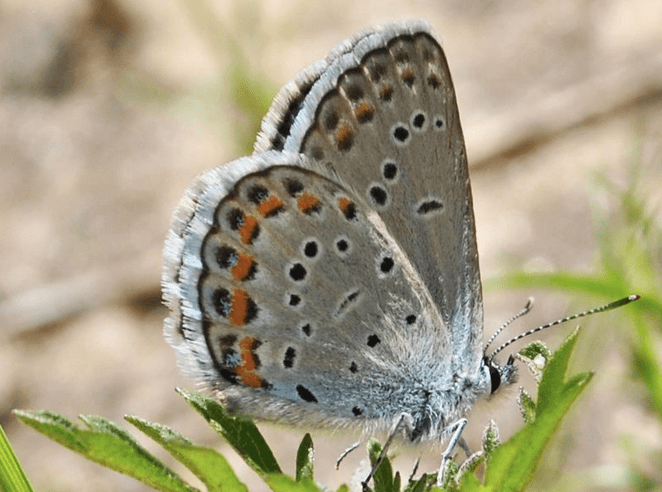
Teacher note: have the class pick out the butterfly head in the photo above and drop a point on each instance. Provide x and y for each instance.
(500, 376)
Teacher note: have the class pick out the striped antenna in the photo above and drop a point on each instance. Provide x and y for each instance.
(525, 309)
(606, 307)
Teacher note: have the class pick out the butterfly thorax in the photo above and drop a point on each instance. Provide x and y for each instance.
(445, 404)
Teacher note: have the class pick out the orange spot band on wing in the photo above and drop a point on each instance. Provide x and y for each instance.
(344, 204)
(249, 363)
(243, 267)
(239, 309)
(385, 92)
(347, 207)
(364, 112)
(344, 137)
(247, 231)
(271, 206)
(408, 75)
(308, 202)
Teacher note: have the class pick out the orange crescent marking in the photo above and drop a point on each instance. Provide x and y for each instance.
(385, 92)
(364, 112)
(344, 137)
(270, 206)
(243, 267)
(344, 204)
(248, 366)
(307, 202)
(239, 308)
(408, 75)
(247, 230)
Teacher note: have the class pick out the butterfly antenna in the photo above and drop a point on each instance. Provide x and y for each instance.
(525, 309)
(606, 307)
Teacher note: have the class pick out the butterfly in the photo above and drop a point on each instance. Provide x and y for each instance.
(332, 278)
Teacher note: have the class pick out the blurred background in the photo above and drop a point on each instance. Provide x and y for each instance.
(109, 109)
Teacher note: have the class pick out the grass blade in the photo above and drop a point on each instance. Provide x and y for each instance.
(12, 476)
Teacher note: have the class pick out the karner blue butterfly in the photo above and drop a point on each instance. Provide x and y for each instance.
(332, 277)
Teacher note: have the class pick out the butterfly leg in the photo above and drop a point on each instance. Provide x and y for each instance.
(465, 447)
(403, 419)
(346, 452)
(456, 438)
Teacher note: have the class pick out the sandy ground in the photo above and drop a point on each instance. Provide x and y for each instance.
(108, 109)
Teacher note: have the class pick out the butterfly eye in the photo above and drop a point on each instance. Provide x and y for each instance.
(495, 377)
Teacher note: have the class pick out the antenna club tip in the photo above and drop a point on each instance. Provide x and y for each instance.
(633, 297)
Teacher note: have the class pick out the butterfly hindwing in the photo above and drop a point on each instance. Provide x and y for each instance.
(303, 305)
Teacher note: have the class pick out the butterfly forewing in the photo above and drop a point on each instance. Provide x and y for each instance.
(383, 119)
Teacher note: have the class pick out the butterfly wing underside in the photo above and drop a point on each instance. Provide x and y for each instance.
(332, 277)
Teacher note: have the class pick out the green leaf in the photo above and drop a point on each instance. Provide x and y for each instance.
(512, 465)
(12, 476)
(472, 463)
(207, 464)
(470, 483)
(527, 406)
(424, 483)
(107, 444)
(240, 432)
(305, 458)
(451, 474)
(532, 350)
(397, 482)
(552, 386)
(384, 481)
(282, 483)
(491, 438)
